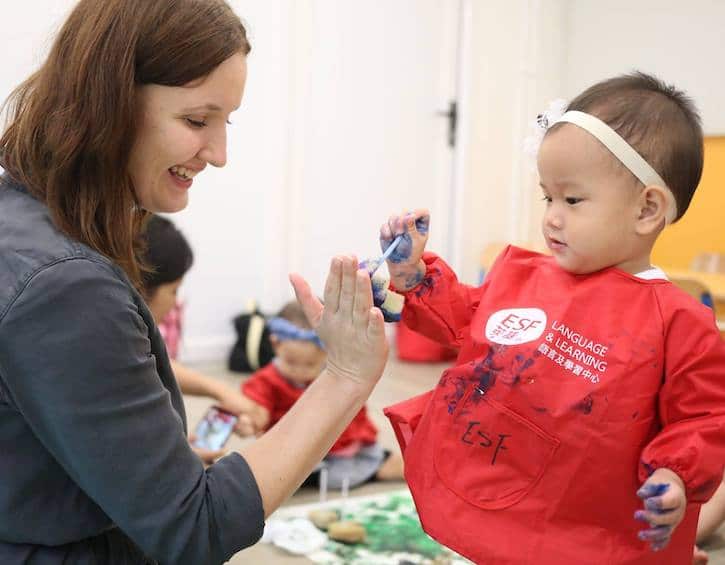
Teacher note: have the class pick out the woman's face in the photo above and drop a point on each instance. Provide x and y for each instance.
(181, 130)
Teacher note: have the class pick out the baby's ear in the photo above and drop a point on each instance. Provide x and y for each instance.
(274, 340)
(652, 210)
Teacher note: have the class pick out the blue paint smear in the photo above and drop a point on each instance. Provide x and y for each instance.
(414, 280)
(649, 469)
(452, 399)
(585, 405)
(389, 316)
(650, 490)
(485, 372)
(428, 283)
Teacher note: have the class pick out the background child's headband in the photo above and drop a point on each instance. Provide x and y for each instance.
(626, 154)
(285, 330)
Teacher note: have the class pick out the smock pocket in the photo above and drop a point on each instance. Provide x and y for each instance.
(487, 454)
(405, 416)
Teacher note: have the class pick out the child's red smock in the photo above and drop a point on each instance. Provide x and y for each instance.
(568, 391)
(268, 387)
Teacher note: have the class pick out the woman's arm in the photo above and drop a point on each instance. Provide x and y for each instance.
(82, 367)
(354, 337)
(78, 361)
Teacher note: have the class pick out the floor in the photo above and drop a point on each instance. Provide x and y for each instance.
(400, 381)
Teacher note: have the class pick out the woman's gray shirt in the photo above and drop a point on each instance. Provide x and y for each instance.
(94, 461)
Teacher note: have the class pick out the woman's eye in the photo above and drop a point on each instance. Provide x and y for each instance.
(196, 123)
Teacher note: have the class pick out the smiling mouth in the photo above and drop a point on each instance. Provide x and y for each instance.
(182, 172)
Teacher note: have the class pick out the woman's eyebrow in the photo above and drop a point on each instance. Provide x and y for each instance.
(208, 107)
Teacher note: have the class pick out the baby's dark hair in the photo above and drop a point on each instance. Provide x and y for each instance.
(293, 312)
(658, 120)
(167, 256)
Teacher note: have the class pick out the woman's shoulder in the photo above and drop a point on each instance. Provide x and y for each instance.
(27, 231)
(33, 249)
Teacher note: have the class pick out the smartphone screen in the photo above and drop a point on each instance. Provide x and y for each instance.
(214, 429)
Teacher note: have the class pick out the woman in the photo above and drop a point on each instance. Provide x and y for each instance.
(130, 105)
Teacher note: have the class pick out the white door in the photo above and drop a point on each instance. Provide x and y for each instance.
(370, 82)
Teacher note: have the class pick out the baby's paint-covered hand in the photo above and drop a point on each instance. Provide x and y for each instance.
(664, 500)
(405, 264)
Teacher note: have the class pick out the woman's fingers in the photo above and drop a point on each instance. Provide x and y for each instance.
(363, 296)
(347, 286)
(333, 284)
(311, 306)
(376, 325)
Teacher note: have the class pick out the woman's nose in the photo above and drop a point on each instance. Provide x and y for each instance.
(215, 150)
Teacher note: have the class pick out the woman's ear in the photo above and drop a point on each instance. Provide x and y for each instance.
(652, 204)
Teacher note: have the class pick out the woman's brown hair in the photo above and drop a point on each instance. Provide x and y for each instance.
(71, 124)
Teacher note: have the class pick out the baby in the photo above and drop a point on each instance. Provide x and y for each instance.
(300, 356)
(589, 391)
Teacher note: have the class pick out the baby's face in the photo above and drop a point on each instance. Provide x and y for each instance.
(300, 361)
(592, 204)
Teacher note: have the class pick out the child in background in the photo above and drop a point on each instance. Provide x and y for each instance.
(589, 391)
(356, 457)
(169, 257)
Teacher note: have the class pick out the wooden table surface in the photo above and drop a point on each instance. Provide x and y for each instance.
(715, 282)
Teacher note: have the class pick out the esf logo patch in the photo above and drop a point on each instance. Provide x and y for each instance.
(515, 325)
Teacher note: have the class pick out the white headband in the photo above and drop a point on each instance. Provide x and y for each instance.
(626, 154)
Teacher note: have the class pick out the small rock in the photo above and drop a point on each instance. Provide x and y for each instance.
(346, 531)
(323, 518)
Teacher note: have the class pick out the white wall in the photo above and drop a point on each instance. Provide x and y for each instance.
(235, 219)
(26, 38)
(679, 41)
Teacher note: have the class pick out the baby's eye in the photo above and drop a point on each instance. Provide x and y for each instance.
(546, 198)
(572, 200)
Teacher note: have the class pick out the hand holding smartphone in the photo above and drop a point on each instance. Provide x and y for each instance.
(214, 429)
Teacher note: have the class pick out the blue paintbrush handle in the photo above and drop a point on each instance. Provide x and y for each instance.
(375, 265)
(391, 248)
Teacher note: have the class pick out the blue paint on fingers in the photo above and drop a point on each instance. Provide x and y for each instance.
(652, 489)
